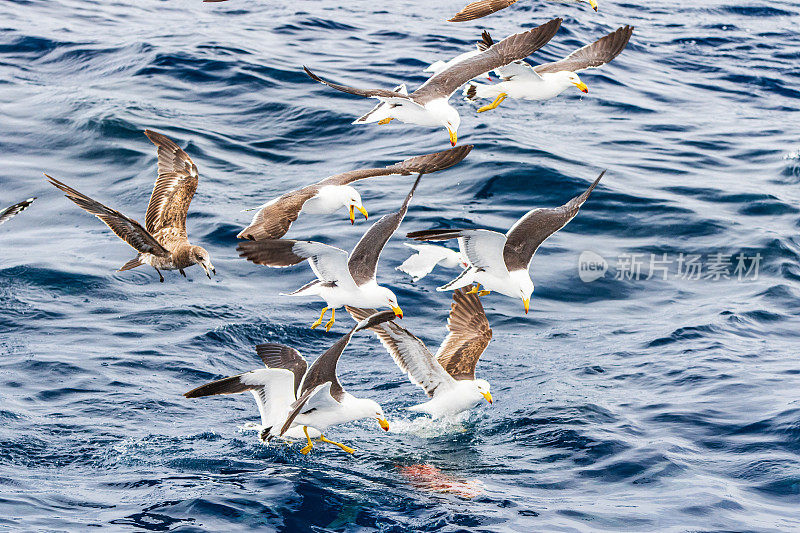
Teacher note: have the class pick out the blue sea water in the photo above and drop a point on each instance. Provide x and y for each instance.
(621, 403)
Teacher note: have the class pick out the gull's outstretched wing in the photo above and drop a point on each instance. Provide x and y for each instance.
(468, 338)
(592, 55)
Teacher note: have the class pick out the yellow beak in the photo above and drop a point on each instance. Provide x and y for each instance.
(397, 312)
(384, 424)
(453, 137)
(488, 396)
(352, 215)
(593, 4)
(527, 303)
(363, 212)
(582, 86)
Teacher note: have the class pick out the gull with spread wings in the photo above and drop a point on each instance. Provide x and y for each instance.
(341, 279)
(542, 82)
(501, 262)
(448, 378)
(482, 8)
(293, 397)
(10, 212)
(428, 105)
(326, 196)
(163, 242)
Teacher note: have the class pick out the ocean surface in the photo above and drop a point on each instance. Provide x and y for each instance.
(650, 399)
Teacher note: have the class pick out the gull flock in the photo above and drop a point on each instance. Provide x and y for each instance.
(298, 401)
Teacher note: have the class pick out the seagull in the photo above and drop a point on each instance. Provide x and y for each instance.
(428, 105)
(162, 243)
(427, 257)
(482, 8)
(501, 262)
(326, 196)
(291, 395)
(341, 279)
(10, 212)
(448, 378)
(542, 82)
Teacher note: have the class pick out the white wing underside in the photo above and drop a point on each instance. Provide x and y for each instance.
(327, 262)
(276, 394)
(518, 70)
(484, 249)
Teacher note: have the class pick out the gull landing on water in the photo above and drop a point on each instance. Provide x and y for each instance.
(501, 262)
(163, 243)
(542, 82)
(482, 8)
(428, 105)
(10, 212)
(341, 279)
(274, 218)
(448, 378)
(293, 397)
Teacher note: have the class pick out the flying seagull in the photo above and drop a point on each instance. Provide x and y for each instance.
(542, 82)
(326, 196)
(10, 212)
(291, 395)
(162, 243)
(429, 256)
(482, 8)
(448, 378)
(341, 279)
(428, 105)
(501, 262)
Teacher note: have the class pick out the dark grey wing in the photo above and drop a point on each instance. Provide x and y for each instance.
(281, 356)
(479, 9)
(363, 261)
(327, 262)
(468, 338)
(531, 230)
(9, 212)
(323, 370)
(366, 93)
(174, 188)
(274, 219)
(421, 164)
(592, 55)
(409, 353)
(126, 228)
(512, 48)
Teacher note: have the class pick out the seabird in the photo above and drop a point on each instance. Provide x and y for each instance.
(501, 262)
(10, 212)
(448, 378)
(341, 279)
(291, 395)
(326, 196)
(542, 82)
(482, 8)
(428, 105)
(427, 257)
(163, 242)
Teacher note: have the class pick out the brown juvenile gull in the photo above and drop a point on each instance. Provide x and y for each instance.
(292, 396)
(341, 279)
(542, 82)
(163, 243)
(501, 262)
(448, 378)
(10, 212)
(428, 105)
(482, 8)
(326, 196)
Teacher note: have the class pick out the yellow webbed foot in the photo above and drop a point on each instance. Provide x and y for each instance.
(474, 290)
(484, 293)
(493, 105)
(385, 121)
(331, 321)
(305, 449)
(319, 320)
(344, 447)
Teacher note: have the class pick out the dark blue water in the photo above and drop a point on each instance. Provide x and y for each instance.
(621, 404)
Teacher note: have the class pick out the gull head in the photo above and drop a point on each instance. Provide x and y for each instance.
(199, 256)
(352, 200)
(576, 81)
(447, 116)
(524, 286)
(371, 409)
(483, 388)
(388, 299)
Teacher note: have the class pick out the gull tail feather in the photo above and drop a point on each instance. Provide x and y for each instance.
(133, 263)
(474, 90)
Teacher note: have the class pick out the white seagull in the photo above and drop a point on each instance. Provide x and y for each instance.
(10, 212)
(448, 378)
(293, 397)
(542, 82)
(429, 256)
(341, 279)
(428, 105)
(501, 262)
(274, 218)
(482, 8)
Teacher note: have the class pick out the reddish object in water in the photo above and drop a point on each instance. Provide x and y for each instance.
(429, 478)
